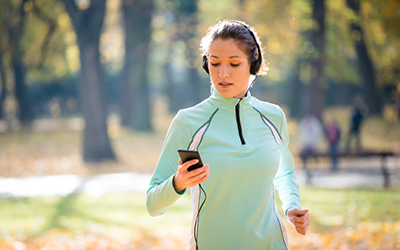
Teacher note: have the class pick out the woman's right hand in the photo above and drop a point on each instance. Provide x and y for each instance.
(184, 179)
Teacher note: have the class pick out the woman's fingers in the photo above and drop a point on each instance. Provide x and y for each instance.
(199, 176)
(300, 218)
(302, 223)
(184, 166)
(186, 179)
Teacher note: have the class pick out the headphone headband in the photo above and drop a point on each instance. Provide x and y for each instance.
(255, 66)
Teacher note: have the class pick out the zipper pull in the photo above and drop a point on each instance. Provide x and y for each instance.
(238, 122)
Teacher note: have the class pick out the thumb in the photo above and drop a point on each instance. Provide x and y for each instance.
(300, 211)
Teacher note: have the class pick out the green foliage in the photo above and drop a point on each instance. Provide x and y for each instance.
(43, 62)
(383, 36)
(283, 27)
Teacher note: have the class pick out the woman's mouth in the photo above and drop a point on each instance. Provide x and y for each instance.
(225, 84)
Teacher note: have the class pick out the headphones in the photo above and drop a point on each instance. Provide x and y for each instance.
(254, 67)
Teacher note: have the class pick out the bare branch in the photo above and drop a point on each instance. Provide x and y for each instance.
(52, 28)
(45, 45)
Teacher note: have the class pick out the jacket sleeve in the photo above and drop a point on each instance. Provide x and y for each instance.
(285, 180)
(161, 193)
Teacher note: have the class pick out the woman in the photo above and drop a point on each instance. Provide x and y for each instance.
(244, 142)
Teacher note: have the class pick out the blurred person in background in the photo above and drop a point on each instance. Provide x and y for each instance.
(244, 142)
(358, 113)
(333, 135)
(311, 132)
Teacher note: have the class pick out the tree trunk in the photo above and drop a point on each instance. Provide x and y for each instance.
(371, 91)
(16, 30)
(316, 91)
(170, 87)
(193, 82)
(25, 114)
(88, 24)
(295, 91)
(135, 104)
(3, 86)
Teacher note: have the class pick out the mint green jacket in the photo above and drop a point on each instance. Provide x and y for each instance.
(245, 142)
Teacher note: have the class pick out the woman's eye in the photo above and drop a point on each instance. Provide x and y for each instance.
(214, 64)
(235, 64)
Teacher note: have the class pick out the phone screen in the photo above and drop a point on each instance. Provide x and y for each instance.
(187, 155)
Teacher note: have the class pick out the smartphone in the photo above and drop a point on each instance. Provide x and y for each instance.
(187, 155)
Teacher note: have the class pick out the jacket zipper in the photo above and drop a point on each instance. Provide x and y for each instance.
(239, 124)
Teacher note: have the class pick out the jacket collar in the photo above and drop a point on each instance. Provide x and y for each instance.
(230, 103)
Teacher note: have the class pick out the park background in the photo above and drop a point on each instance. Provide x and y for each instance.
(90, 87)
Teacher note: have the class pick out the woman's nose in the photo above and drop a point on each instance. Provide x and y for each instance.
(223, 72)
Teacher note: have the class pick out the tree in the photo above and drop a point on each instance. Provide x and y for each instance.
(30, 48)
(135, 107)
(15, 28)
(316, 95)
(296, 85)
(3, 85)
(169, 26)
(189, 22)
(170, 86)
(186, 17)
(88, 26)
(383, 39)
(372, 94)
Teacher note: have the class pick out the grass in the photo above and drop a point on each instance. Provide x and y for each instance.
(338, 219)
(119, 220)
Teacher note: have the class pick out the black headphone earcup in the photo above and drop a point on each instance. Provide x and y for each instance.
(255, 67)
(205, 64)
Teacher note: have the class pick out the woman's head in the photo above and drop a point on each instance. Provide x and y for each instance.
(244, 36)
(232, 56)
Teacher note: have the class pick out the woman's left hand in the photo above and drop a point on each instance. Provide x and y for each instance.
(299, 218)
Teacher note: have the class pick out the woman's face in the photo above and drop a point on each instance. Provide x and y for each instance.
(229, 68)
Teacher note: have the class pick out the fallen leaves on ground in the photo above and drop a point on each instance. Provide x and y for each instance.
(367, 235)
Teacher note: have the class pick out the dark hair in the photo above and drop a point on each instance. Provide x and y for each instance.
(241, 33)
